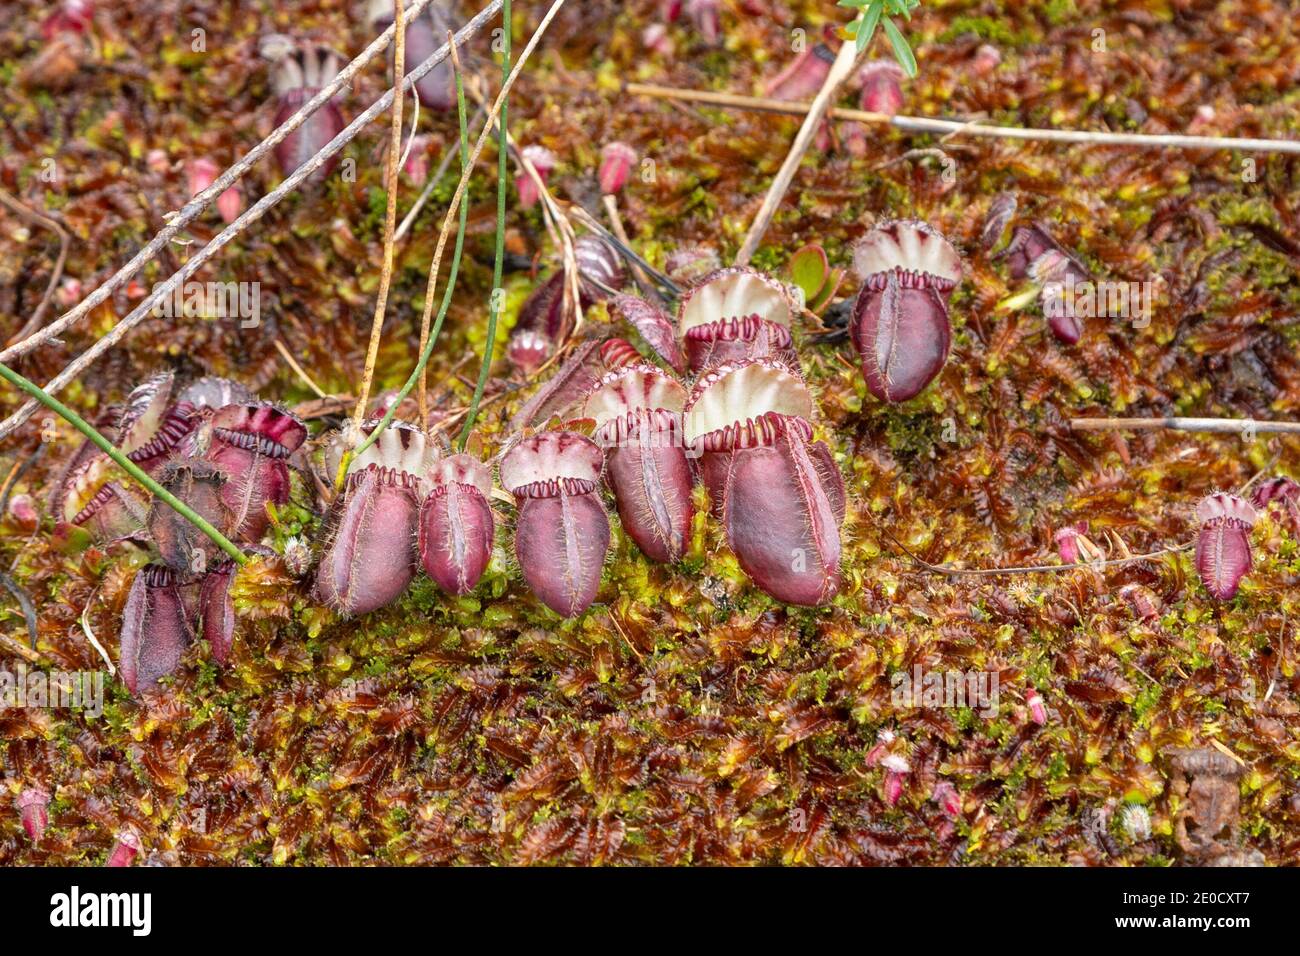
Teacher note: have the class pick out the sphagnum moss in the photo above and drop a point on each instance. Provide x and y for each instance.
(688, 716)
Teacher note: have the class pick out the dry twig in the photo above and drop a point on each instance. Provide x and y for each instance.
(390, 217)
(923, 124)
(815, 112)
(1226, 426)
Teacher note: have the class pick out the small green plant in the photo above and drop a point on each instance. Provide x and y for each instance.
(873, 13)
(811, 272)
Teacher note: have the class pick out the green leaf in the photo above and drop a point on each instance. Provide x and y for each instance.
(868, 28)
(902, 51)
(827, 291)
(809, 269)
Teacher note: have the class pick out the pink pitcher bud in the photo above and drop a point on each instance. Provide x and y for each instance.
(456, 525)
(69, 16)
(655, 38)
(69, 293)
(542, 160)
(417, 159)
(706, 16)
(33, 809)
(637, 411)
(230, 204)
(949, 801)
(1280, 489)
(202, 173)
(1223, 546)
(158, 162)
(900, 322)
(804, 77)
(896, 770)
(1037, 709)
(562, 531)
(616, 161)
(881, 92)
(670, 10)
(733, 315)
(125, 850)
(883, 739)
(22, 508)
(987, 59)
(1067, 541)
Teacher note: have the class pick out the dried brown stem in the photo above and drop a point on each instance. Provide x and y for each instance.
(815, 112)
(1226, 426)
(298, 369)
(921, 124)
(390, 216)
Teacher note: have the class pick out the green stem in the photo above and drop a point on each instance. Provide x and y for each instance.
(494, 299)
(126, 464)
(447, 293)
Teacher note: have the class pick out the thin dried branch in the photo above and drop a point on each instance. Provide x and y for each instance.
(298, 369)
(390, 218)
(921, 124)
(1222, 426)
(839, 72)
